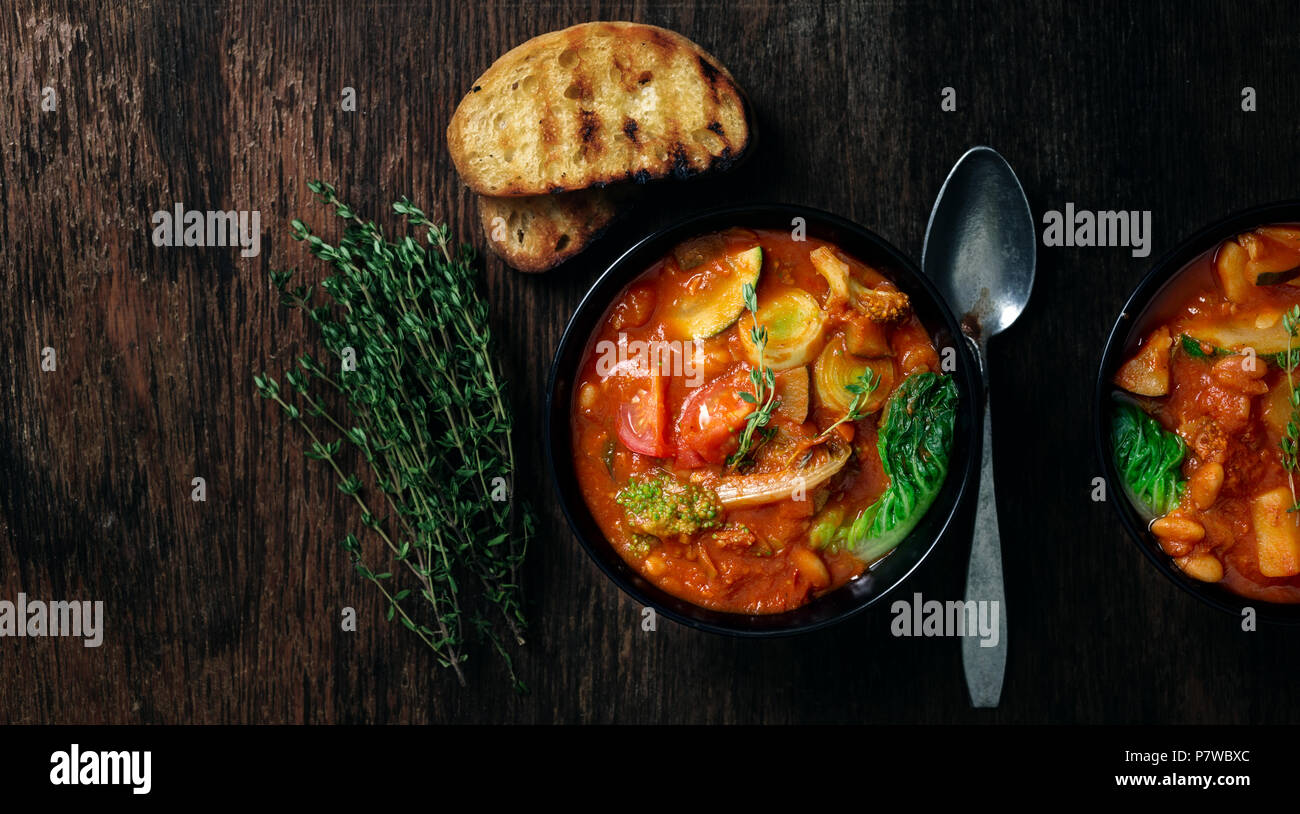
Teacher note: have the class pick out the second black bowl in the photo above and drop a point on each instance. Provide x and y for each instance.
(872, 585)
(1162, 275)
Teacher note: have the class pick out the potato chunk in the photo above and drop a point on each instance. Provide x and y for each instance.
(1285, 235)
(866, 338)
(1147, 374)
(1205, 567)
(1271, 262)
(810, 566)
(1230, 267)
(792, 394)
(1277, 533)
(1276, 407)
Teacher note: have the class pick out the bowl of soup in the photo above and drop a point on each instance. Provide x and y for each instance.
(760, 420)
(1198, 406)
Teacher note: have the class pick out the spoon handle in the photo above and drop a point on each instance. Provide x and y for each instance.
(983, 657)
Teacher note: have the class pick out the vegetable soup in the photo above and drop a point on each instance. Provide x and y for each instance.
(758, 419)
(1207, 416)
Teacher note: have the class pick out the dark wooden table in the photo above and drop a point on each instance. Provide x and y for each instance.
(228, 610)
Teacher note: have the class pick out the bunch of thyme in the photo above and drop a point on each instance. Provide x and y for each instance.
(426, 409)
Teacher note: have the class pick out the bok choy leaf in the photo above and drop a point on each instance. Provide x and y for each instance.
(915, 442)
(1149, 459)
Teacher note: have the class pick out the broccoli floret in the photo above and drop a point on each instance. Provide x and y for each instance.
(642, 544)
(880, 305)
(664, 506)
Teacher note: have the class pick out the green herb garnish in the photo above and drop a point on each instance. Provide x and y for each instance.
(861, 388)
(1291, 322)
(417, 390)
(763, 396)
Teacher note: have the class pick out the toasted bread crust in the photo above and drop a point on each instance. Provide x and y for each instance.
(596, 104)
(536, 233)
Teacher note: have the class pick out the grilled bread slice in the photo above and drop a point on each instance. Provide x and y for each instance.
(595, 104)
(538, 232)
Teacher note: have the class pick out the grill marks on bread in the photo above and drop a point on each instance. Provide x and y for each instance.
(538, 232)
(597, 104)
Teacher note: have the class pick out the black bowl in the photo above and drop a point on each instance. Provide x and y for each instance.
(1162, 274)
(871, 586)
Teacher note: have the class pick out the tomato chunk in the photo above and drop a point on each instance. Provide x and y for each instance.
(643, 419)
(713, 416)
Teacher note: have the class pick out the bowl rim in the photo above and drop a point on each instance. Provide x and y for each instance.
(618, 274)
(1164, 270)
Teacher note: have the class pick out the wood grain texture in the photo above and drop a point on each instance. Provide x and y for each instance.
(228, 611)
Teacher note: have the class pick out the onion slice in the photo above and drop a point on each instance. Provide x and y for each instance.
(739, 491)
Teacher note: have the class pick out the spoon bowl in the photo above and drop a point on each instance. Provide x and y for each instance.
(983, 236)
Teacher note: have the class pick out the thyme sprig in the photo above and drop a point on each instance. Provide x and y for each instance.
(861, 388)
(425, 407)
(763, 396)
(1291, 441)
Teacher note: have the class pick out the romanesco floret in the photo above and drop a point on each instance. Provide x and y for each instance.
(664, 506)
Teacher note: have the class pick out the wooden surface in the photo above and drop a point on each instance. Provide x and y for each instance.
(228, 610)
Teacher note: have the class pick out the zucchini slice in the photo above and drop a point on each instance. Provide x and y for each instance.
(720, 300)
(1195, 348)
(1241, 331)
(794, 327)
(1275, 277)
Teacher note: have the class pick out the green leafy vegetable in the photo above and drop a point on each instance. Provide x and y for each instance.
(416, 389)
(915, 442)
(1149, 459)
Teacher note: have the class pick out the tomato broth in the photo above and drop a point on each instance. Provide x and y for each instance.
(732, 517)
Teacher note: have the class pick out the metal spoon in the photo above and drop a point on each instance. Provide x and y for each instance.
(980, 251)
